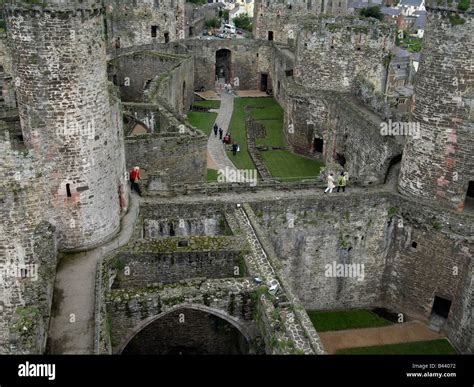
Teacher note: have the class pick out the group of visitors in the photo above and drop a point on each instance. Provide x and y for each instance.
(341, 182)
(228, 88)
(227, 140)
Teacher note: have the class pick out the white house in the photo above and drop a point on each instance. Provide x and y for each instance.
(409, 7)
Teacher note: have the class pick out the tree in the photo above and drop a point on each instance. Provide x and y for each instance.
(243, 22)
(372, 12)
(212, 23)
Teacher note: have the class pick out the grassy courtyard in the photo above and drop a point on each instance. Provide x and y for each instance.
(282, 164)
(211, 104)
(433, 347)
(325, 321)
(287, 166)
(204, 121)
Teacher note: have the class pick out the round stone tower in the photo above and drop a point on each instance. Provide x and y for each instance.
(67, 114)
(438, 164)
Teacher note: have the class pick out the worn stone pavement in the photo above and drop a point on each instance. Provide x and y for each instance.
(72, 325)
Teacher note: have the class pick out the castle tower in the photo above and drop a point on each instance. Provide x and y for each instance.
(67, 115)
(438, 164)
(28, 254)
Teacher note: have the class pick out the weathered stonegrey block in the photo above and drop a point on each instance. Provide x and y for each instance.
(280, 21)
(248, 59)
(439, 165)
(28, 255)
(410, 252)
(181, 158)
(144, 22)
(332, 51)
(129, 310)
(59, 65)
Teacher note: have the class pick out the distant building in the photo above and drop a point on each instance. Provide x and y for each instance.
(409, 7)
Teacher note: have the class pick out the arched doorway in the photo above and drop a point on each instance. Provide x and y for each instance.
(223, 65)
(187, 331)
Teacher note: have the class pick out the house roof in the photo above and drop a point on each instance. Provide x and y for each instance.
(390, 11)
(420, 20)
(410, 3)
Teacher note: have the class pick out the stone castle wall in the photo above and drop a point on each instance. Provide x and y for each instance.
(132, 22)
(28, 255)
(332, 51)
(58, 56)
(439, 165)
(411, 254)
(164, 261)
(248, 59)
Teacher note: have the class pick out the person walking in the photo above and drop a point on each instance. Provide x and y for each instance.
(134, 179)
(331, 184)
(220, 133)
(216, 128)
(234, 148)
(342, 182)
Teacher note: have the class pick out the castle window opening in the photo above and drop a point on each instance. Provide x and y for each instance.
(154, 30)
(270, 35)
(441, 306)
(318, 145)
(68, 190)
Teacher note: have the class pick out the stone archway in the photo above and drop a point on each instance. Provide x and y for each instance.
(189, 329)
(224, 65)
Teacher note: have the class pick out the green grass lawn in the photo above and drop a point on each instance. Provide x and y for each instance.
(325, 321)
(211, 175)
(434, 347)
(202, 120)
(282, 164)
(239, 134)
(274, 134)
(208, 104)
(288, 166)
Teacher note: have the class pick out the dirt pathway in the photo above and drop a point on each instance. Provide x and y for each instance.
(368, 337)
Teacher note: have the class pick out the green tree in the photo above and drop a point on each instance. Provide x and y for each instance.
(243, 22)
(372, 12)
(212, 23)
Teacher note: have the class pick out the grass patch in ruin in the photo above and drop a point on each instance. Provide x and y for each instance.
(287, 166)
(325, 321)
(211, 104)
(204, 121)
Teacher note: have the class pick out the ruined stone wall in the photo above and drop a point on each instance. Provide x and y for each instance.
(439, 165)
(134, 72)
(282, 19)
(177, 157)
(430, 254)
(146, 262)
(28, 254)
(200, 333)
(249, 58)
(332, 51)
(133, 22)
(176, 87)
(127, 313)
(346, 127)
(58, 55)
(349, 130)
(308, 235)
(184, 220)
(411, 253)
